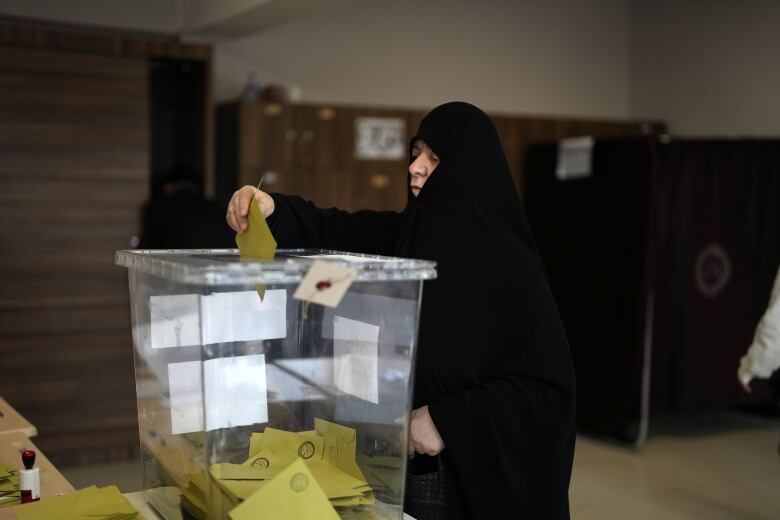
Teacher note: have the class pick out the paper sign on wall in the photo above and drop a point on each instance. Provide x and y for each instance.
(575, 158)
(380, 138)
(355, 358)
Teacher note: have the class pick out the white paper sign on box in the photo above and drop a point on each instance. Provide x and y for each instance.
(232, 316)
(241, 316)
(184, 385)
(235, 395)
(174, 320)
(235, 391)
(355, 358)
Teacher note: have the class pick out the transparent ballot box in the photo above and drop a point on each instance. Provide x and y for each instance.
(253, 403)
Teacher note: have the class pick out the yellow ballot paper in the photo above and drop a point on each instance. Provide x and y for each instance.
(328, 452)
(256, 242)
(9, 486)
(266, 459)
(88, 503)
(255, 441)
(293, 445)
(340, 446)
(293, 494)
(194, 495)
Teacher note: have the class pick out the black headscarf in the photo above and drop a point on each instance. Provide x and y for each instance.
(493, 364)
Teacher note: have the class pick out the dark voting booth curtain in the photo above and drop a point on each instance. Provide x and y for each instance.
(661, 261)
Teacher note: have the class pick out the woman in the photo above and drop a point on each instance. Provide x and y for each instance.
(493, 424)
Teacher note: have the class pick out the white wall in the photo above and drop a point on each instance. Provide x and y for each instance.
(559, 57)
(707, 67)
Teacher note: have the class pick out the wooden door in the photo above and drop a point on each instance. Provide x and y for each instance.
(74, 162)
(318, 156)
(264, 147)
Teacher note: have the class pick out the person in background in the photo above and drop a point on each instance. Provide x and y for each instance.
(492, 430)
(179, 217)
(763, 356)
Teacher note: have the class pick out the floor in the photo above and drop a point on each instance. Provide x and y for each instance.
(717, 467)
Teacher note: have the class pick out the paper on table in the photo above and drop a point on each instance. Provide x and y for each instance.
(325, 283)
(293, 494)
(235, 391)
(87, 503)
(185, 389)
(355, 358)
(9, 486)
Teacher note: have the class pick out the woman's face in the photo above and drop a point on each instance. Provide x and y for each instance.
(424, 161)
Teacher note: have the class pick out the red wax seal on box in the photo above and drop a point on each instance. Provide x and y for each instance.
(323, 284)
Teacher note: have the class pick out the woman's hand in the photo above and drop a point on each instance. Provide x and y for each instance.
(238, 207)
(423, 435)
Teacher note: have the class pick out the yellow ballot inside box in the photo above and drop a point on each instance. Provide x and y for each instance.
(327, 454)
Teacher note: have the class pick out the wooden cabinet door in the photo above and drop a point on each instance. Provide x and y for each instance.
(265, 146)
(318, 157)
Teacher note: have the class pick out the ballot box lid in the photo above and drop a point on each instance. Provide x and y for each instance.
(225, 267)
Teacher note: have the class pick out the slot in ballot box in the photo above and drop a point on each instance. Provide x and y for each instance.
(253, 403)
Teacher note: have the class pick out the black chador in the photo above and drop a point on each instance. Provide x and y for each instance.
(493, 364)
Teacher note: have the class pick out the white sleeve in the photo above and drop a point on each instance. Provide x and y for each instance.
(763, 356)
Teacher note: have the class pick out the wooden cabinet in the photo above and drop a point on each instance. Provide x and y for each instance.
(309, 149)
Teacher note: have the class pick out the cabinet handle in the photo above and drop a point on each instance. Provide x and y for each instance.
(379, 181)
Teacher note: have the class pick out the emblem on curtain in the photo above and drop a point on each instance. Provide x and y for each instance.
(712, 271)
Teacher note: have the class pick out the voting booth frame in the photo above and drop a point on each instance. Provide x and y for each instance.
(255, 400)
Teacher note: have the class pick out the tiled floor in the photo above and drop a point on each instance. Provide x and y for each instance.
(717, 467)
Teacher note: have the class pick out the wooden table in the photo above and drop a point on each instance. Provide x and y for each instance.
(11, 421)
(52, 481)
